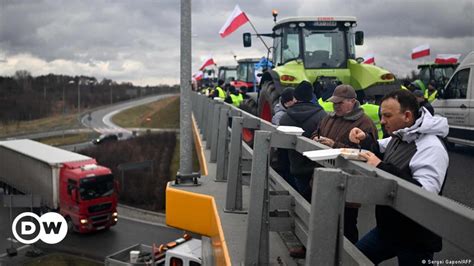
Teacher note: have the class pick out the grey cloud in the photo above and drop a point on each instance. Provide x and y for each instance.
(147, 31)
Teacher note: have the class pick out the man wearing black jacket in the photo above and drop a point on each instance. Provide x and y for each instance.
(306, 115)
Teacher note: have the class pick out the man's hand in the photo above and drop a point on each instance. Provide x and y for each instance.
(371, 158)
(357, 135)
(323, 140)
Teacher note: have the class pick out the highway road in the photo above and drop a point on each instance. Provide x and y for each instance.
(126, 233)
(100, 120)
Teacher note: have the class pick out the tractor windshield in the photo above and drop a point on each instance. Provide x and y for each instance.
(245, 72)
(324, 49)
(291, 45)
(318, 44)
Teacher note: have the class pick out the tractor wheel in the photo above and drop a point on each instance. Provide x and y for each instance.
(268, 98)
(249, 105)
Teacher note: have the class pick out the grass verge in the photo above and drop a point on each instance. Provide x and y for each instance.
(56, 122)
(160, 114)
(68, 139)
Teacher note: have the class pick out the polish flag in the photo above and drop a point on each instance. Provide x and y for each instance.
(236, 19)
(369, 59)
(447, 58)
(198, 75)
(420, 51)
(207, 62)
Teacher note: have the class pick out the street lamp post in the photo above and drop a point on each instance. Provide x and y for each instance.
(79, 100)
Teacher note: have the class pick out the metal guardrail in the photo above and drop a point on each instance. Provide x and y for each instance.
(276, 206)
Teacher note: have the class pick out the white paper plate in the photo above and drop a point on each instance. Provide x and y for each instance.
(321, 155)
(290, 130)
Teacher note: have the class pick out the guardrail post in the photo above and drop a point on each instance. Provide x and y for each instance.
(210, 116)
(326, 221)
(205, 109)
(257, 242)
(215, 130)
(196, 106)
(202, 100)
(233, 201)
(222, 145)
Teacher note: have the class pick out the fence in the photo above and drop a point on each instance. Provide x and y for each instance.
(276, 206)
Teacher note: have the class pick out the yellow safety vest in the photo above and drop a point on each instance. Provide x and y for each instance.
(236, 99)
(431, 97)
(221, 92)
(421, 85)
(327, 106)
(372, 111)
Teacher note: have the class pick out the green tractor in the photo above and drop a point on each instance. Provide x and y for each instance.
(320, 50)
(439, 73)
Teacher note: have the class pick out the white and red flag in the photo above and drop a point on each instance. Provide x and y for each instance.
(420, 51)
(236, 19)
(208, 61)
(447, 58)
(198, 75)
(369, 59)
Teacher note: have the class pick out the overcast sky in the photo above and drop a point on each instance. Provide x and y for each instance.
(138, 40)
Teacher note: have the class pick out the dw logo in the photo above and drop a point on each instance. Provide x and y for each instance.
(28, 227)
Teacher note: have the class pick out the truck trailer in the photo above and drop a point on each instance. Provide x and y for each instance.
(67, 182)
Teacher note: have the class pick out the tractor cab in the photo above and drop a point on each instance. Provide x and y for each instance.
(318, 43)
(227, 73)
(245, 74)
(440, 73)
(320, 50)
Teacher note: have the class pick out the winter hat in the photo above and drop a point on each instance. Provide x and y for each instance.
(418, 93)
(287, 95)
(304, 92)
(342, 92)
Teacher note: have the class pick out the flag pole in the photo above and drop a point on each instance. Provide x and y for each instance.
(260, 37)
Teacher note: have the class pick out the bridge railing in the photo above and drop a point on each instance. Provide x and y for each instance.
(276, 206)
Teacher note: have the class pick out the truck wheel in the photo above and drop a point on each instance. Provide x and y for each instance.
(70, 225)
(268, 98)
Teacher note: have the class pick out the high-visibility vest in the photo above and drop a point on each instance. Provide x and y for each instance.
(431, 97)
(327, 106)
(420, 84)
(221, 93)
(372, 111)
(236, 99)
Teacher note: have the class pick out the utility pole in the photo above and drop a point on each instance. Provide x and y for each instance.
(186, 138)
(79, 100)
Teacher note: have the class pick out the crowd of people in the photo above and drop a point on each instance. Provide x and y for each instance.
(401, 136)
(413, 150)
(226, 92)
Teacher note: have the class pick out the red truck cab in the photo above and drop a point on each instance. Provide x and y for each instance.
(88, 196)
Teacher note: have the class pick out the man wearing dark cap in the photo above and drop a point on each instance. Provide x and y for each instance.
(334, 132)
(420, 98)
(307, 116)
(287, 99)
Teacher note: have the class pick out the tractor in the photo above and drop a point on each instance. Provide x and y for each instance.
(320, 50)
(227, 73)
(439, 73)
(245, 74)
